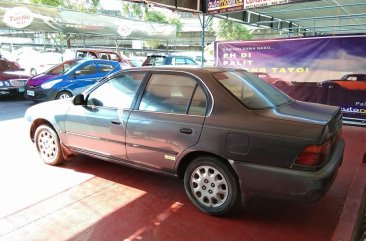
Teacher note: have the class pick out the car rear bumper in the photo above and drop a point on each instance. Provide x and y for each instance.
(289, 183)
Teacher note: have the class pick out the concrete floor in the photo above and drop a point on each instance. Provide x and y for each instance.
(99, 201)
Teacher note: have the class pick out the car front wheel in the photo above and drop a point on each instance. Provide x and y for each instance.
(63, 95)
(211, 185)
(48, 145)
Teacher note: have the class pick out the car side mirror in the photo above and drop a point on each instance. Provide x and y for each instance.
(79, 100)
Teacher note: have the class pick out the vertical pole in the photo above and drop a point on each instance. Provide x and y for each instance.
(203, 39)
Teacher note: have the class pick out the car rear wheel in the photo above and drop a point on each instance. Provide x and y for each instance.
(63, 95)
(211, 185)
(48, 145)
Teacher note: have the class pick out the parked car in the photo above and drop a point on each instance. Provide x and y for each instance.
(68, 79)
(278, 82)
(90, 53)
(156, 60)
(34, 62)
(348, 81)
(12, 78)
(197, 57)
(227, 133)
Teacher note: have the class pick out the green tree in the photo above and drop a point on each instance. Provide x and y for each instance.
(53, 3)
(141, 12)
(133, 10)
(84, 6)
(159, 17)
(230, 30)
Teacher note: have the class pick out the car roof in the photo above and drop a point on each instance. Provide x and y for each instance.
(194, 69)
(169, 55)
(95, 49)
(96, 60)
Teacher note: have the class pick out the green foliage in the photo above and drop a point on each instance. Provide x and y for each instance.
(178, 24)
(84, 6)
(133, 10)
(53, 3)
(155, 16)
(230, 30)
(159, 17)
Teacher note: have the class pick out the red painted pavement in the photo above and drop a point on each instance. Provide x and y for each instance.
(120, 203)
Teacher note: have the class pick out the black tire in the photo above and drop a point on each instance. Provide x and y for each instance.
(48, 145)
(63, 95)
(211, 185)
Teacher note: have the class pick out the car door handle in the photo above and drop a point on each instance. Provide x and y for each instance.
(116, 123)
(186, 130)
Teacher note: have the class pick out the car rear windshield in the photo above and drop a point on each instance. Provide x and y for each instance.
(154, 60)
(250, 90)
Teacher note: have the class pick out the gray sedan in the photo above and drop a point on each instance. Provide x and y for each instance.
(227, 133)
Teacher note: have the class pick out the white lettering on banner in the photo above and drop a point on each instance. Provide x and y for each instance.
(353, 110)
(18, 17)
(262, 3)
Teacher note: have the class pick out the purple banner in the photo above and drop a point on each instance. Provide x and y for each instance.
(328, 70)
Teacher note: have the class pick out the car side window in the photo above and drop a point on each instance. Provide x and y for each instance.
(81, 54)
(114, 57)
(172, 94)
(86, 70)
(189, 61)
(117, 92)
(105, 68)
(179, 61)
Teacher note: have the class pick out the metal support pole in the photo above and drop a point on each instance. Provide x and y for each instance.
(203, 39)
(204, 24)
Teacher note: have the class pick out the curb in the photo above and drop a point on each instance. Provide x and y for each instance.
(347, 228)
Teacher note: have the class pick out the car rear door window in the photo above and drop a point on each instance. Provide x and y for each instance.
(87, 69)
(105, 68)
(173, 94)
(117, 92)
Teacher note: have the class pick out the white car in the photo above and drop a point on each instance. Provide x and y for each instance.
(34, 62)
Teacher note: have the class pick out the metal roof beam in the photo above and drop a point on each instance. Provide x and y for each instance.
(354, 30)
(314, 8)
(328, 26)
(315, 18)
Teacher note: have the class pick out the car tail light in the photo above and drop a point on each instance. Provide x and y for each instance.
(315, 155)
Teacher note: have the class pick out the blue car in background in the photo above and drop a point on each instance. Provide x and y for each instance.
(69, 78)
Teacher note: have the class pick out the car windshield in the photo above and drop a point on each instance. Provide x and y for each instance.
(63, 67)
(250, 90)
(8, 66)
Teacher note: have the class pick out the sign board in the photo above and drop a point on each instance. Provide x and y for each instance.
(224, 6)
(327, 70)
(263, 3)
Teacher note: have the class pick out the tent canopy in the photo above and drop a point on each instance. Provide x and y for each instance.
(36, 18)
